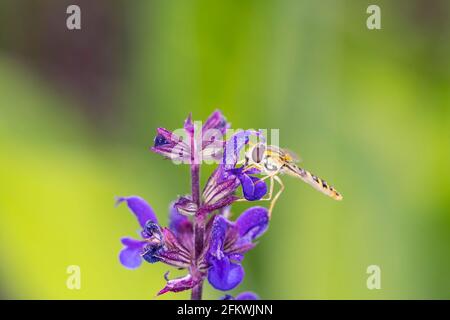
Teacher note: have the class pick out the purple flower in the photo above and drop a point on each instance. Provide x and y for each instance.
(180, 147)
(220, 187)
(253, 188)
(248, 295)
(227, 244)
(169, 245)
(173, 245)
(214, 130)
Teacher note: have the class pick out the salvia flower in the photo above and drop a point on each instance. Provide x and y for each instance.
(201, 238)
(157, 243)
(178, 147)
(228, 243)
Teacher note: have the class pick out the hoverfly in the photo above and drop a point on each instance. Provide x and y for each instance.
(272, 161)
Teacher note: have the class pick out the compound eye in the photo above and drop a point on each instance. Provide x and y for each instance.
(258, 153)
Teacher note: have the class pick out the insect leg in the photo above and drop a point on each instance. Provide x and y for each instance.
(251, 166)
(274, 200)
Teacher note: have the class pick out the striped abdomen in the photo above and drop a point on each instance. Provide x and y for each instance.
(314, 181)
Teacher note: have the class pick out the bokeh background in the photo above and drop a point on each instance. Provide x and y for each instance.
(367, 110)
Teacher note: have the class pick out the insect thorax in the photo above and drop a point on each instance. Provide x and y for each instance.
(265, 158)
(272, 164)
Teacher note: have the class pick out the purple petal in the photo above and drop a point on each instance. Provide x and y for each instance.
(234, 146)
(253, 222)
(225, 275)
(248, 295)
(130, 256)
(140, 208)
(260, 188)
(182, 229)
(248, 187)
(216, 121)
(253, 188)
(178, 222)
(179, 284)
(213, 131)
(166, 137)
(218, 233)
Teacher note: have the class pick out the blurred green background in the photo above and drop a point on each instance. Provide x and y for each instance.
(367, 110)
